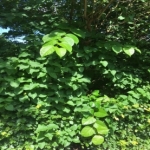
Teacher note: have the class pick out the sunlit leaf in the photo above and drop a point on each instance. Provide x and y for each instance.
(129, 50)
(97, 140)
(121, 18)
(66, 46)
(101, 127)
(101, 113)
(14, 84)
(87, 131)
(104, 63)
(68, 40)
(87, 121)
(60, 51)
(76, 40)
(46, 50)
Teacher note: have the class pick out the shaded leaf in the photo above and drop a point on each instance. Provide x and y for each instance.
(78, 32)
(117, 48)
(9, 107)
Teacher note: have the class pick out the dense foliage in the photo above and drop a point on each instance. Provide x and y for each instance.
(79, 78)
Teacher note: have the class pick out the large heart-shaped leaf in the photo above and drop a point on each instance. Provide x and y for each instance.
(78, 32)
(117, 48)
(68, 40)
(14, 84)
(87, 131)
(100, 127)
(129, 50)
(104, 63)
(97, 140)
(46, 50)
(56, 34)
(60, 51)
(76, 40)
(52, 42)
(9, 107)
(100, 113)
(66, 46)
(88, 120)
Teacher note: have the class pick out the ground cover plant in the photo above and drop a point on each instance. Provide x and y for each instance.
(79, 77)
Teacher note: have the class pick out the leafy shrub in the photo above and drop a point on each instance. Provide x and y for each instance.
(42, 106)
(128, 119)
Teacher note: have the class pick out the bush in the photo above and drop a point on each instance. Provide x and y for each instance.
(43, 107)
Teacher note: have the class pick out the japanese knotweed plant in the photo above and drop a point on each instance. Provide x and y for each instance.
(93, 126)
(60, 42)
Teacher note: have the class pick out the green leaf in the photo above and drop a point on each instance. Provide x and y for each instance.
(97, 140)
(78, 32)
(46, 38)
(14, 84)
(104, 63)
(41, 145)
(81, 69)
(129, 50)
(52, 42)
(53, 75)
(67, 110)
(22, 66)
(60, 51)
(87, 131)
(138, 50)
(46, 50)
(66, 46)
(46, 128)
(117, 48)
(100, 127)
(96, 93)
(76, 40)
(101, 113)
(71, 103)
(41, 74)
(56, 34)
(113, 72)
(121, 18)
(30, 86)
(52, 126)
(76, 140)
(49, 136)
(89, 120)
(9, 107)
(24, 54)
(68, 40)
